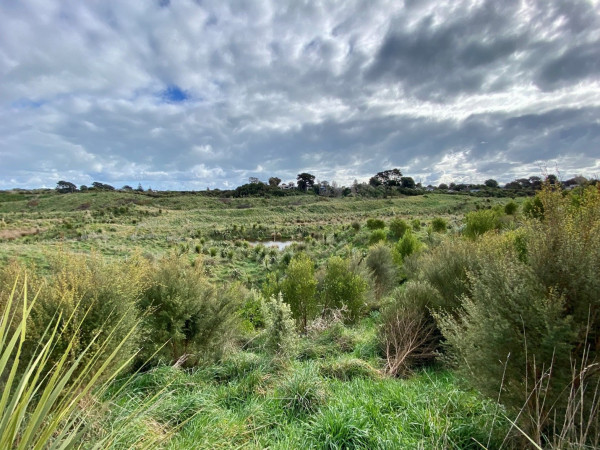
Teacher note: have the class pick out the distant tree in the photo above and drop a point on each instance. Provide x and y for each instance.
(305, 181)
(552, 179)
(443, 186)
(391, 177)
(139, 188)
(535, 182)
(65, 187)
(127, 188)
(407, 182)
(102, 186)
(274, 181)
(83, 188)
(491, 183)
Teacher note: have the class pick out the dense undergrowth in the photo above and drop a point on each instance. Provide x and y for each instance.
(423, 330)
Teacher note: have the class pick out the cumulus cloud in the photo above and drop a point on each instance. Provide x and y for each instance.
(187, 94)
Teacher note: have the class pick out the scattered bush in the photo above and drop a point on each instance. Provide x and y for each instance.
(480, 222)
(439, 225)
(382, 267)
(511, 208)
(533, 208)
(299, 288)
(342, 288)
(375, 224)
(280, 332)
(186, 313)
(406, 246)
(416, 224)
(377, 236)
(398, 227)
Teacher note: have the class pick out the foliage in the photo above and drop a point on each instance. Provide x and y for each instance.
(299, 289)
(391, 177)
(480, 222)
(41, 408)
(342, 288)
(375, 224)
(533, 208)
(511, 208)
(305, 181)
(377, 236)
(187, 313)
(279, 329)
(303, 392)
(406, 246)
(398, 227)
(439, 225)
(383, 270)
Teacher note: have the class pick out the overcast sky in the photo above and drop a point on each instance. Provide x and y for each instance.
(186, 94)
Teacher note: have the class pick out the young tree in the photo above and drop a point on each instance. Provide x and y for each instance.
(343, 288)
(299, 288)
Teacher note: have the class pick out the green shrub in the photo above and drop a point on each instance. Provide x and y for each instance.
(375, 224)
(186, 311)
(439, 225)
(416, 224)
(299, 289)
(406, 246)
(341, 288)
(398, 227)
(511, 208)
(280, 332)
(480, 222)
(355, 226)
(383, 270)
(509, 337)
(377, 236)
(533, 208)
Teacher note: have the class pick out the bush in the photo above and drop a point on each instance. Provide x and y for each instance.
(511, 208)
(398, 227)
(355, 226)
(299, 289)
(416, 224)
(408, 334)
(439, 225)
(480, 222)
(341, 288)
(382, 268)
(279, 330)
(92, 295)
(375, 224)
(406, 246)
(377, 236)
(533, 208)
(186, 311)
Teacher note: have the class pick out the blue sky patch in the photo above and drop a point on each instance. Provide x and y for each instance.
(174, 94)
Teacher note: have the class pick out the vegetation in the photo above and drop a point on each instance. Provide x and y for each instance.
(447, 321)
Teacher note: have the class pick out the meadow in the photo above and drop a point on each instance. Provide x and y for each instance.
(428, 321)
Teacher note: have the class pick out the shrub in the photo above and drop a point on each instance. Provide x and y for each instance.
(408, 333)
(511, 208)
(480, 222)
(533, 208)
(416, 224)
(382, 268)
(398, 227)
(279, 330)
(355, 226)
(439, 225)
(92, 295)
(342, 288)
(406, 246)
(186, 311)
(299, 289)
(377, 236)
(375, 224)
(510, 336)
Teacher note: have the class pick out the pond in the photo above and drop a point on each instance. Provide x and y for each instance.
(280, 245)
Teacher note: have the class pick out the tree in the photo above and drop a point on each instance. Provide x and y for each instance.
(139, 188)
(253, 180)
(443, 186)
(305, 181)
(391, 177)
(65, 187)
(342, 287)
(102, 186)
(299, 288)
(127, 188)
(491, 183)
(274, 181)
(408, 182)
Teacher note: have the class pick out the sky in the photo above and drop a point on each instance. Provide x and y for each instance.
(185, 94)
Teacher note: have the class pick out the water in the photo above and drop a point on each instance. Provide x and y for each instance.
(280, 245)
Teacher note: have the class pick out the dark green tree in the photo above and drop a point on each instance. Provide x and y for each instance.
(305, 181)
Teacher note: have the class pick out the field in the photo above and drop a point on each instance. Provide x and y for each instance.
(327, 383)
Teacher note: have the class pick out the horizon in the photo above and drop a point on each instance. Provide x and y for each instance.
(185, 96)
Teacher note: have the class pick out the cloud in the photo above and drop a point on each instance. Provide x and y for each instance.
(192, 94)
